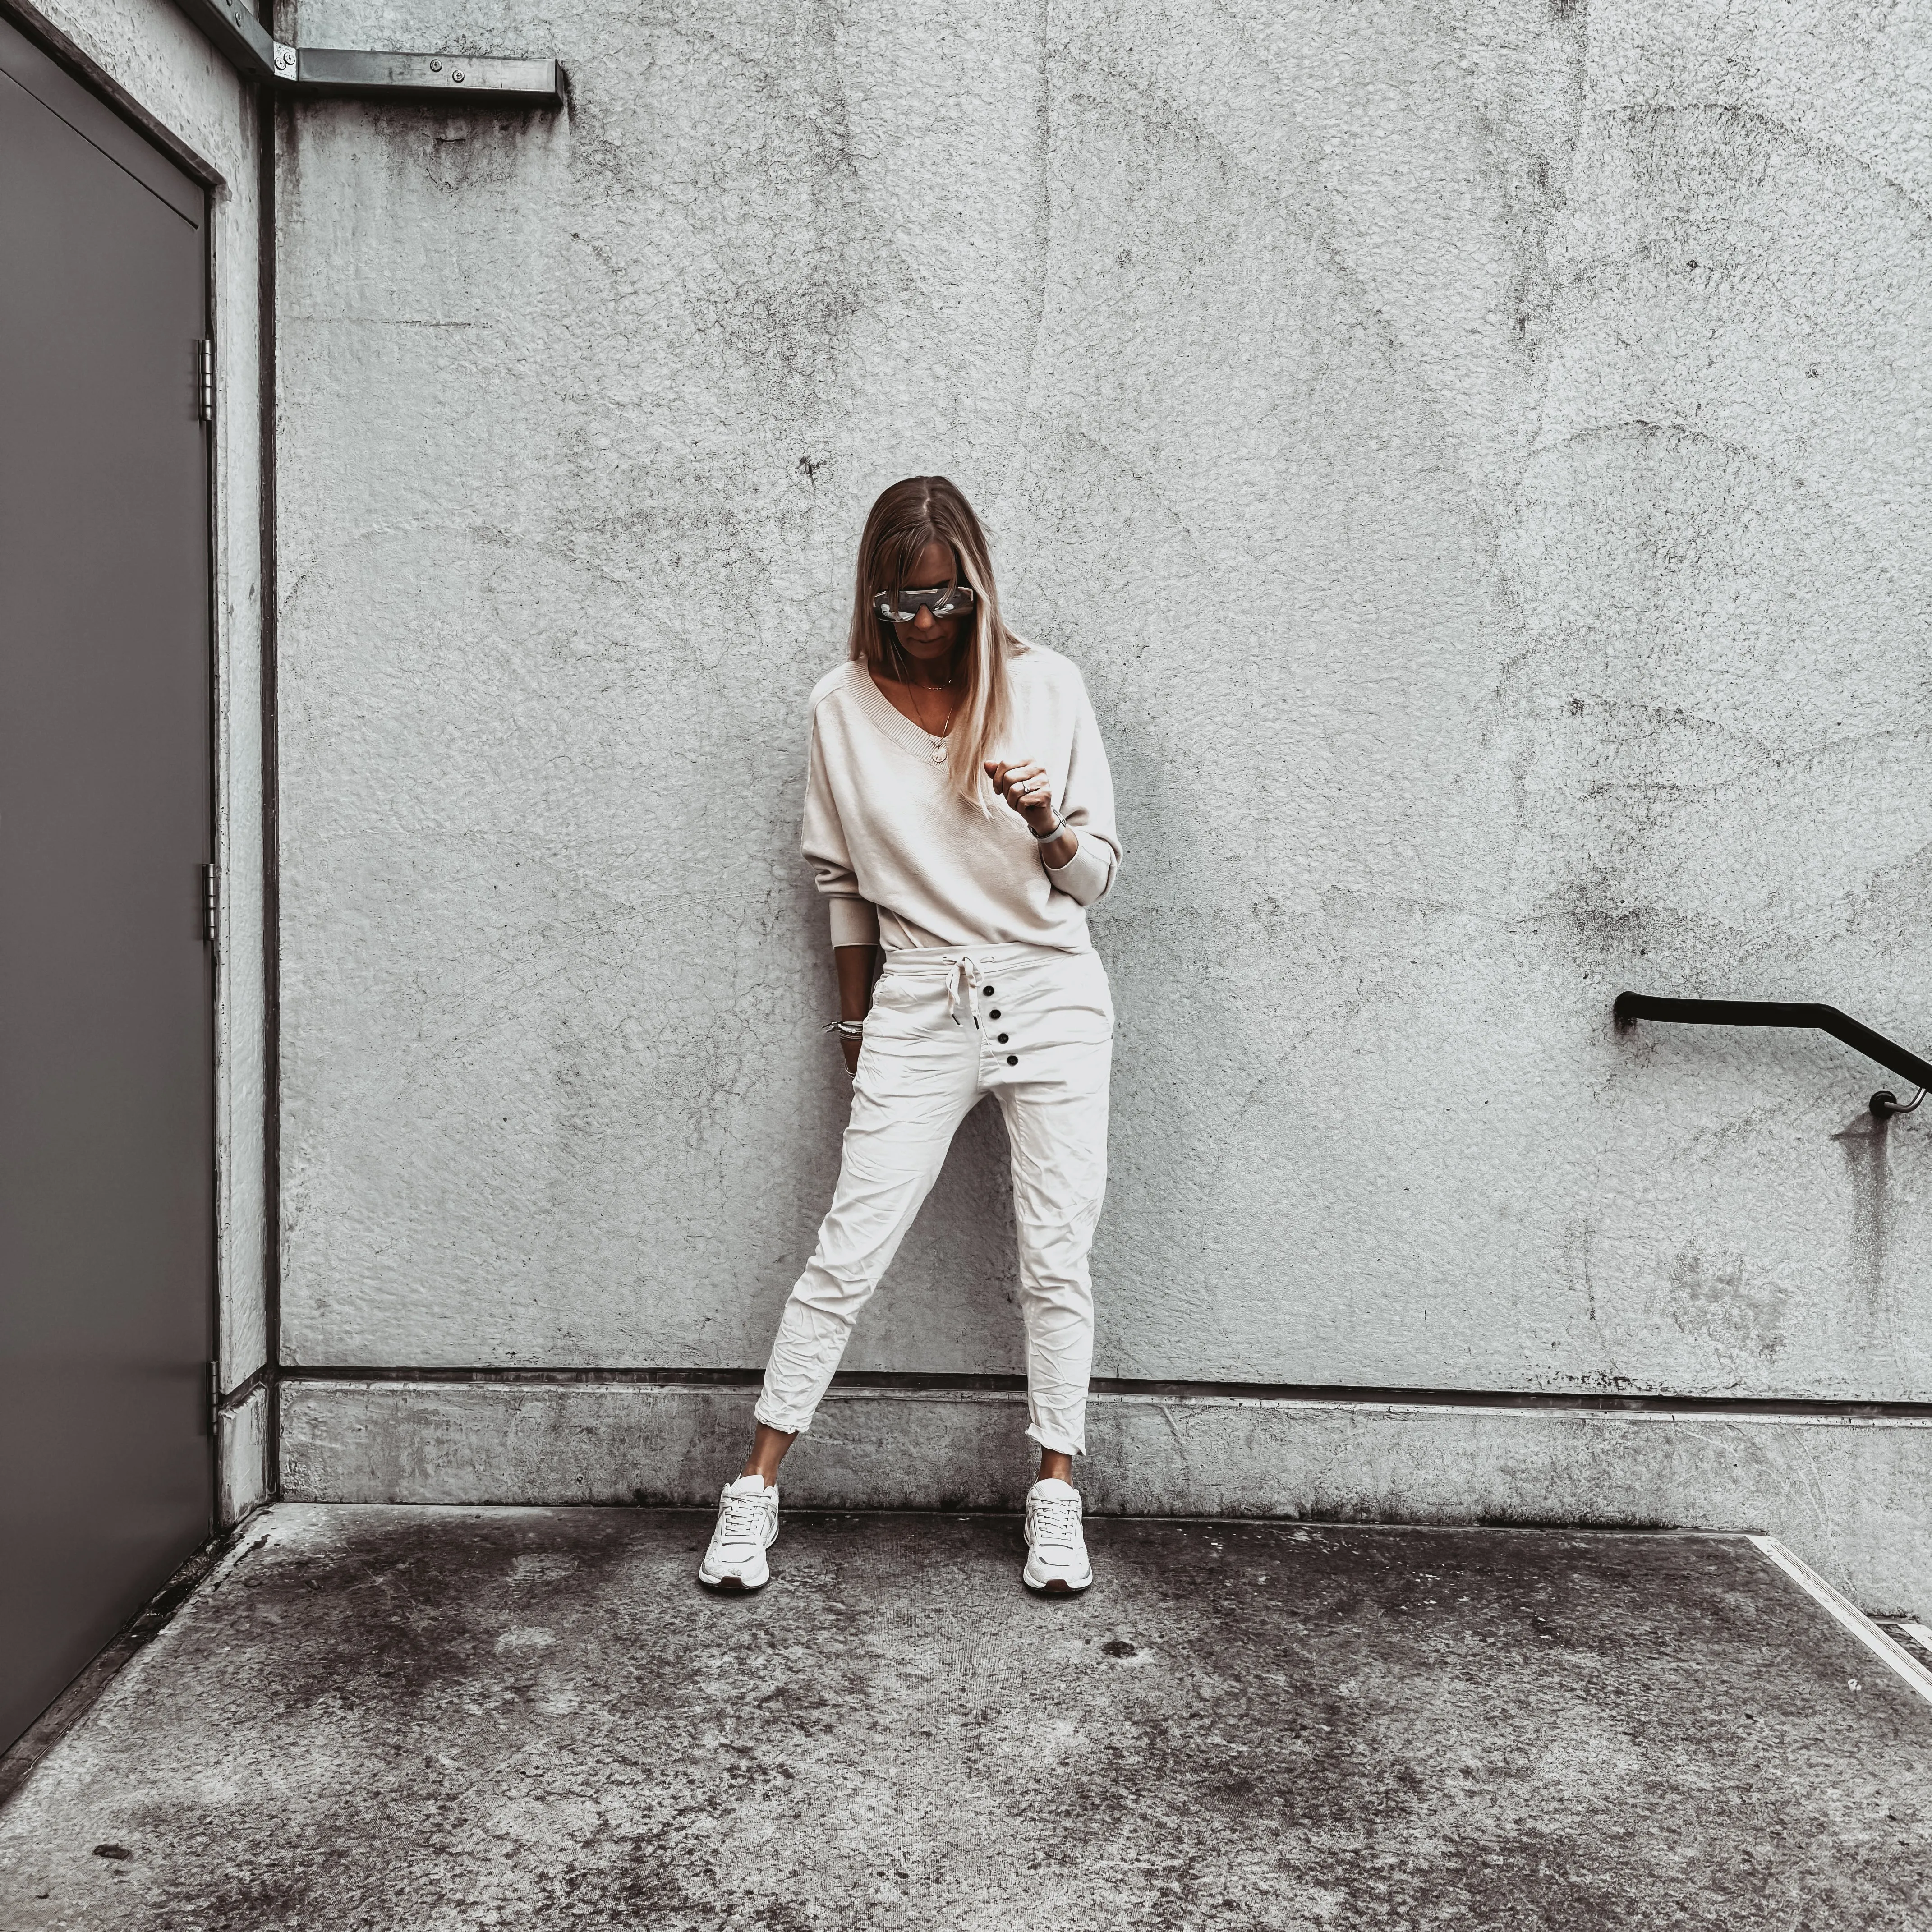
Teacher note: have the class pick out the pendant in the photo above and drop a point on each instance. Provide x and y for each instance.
(939, 754)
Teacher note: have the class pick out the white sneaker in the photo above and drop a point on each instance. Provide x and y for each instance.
(1056, 1563)
(748, 1525)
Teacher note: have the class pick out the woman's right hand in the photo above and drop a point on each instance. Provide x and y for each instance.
(857, 967)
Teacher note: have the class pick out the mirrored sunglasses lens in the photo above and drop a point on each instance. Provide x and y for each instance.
(941, 603)
(911, 609)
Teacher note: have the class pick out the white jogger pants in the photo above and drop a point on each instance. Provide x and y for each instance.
(1034, 1025)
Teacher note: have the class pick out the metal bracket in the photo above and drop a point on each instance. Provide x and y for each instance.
(257, 55)
(340, 70)
(1884, 1102)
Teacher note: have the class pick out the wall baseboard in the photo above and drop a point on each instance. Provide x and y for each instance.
(1847, 1492)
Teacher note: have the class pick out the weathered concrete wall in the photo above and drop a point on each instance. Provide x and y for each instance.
(1847, 1493)
(1477, 453)
(160, 65)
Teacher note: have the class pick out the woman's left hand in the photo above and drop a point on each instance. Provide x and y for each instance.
(1026, 787)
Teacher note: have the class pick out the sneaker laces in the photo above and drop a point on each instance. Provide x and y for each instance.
(1056, 1523)
(741, 1520)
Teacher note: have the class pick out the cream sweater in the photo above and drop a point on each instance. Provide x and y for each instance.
(905, 862)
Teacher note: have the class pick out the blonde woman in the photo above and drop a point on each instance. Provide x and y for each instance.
(958, 814)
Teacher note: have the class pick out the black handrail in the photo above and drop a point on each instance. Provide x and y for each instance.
(1888, 1054)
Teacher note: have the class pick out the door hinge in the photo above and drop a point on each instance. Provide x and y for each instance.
(213, 1418)
(204, 370)
(211, 903)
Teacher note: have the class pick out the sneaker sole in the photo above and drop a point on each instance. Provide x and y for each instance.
(1058, 1586)
(732, 1586)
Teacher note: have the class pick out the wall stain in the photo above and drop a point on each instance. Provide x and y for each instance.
(1866, 1143)
(1715, 1301)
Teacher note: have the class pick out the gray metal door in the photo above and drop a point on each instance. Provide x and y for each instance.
(107, 1119)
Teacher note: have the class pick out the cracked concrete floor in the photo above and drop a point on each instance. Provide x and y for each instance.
(430, 1719)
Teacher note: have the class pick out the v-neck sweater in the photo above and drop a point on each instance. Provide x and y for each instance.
(905, 862)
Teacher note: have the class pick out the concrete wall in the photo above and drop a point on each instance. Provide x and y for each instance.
(1477, 454)
(1847, 1492)
(156, 64)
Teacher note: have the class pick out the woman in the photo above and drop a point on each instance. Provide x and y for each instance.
(958, 812)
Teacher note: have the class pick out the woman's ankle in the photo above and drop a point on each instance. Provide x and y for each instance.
(768, 1451)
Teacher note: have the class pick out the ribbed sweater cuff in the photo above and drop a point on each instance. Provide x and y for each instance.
(854, 922)
(1084, 878)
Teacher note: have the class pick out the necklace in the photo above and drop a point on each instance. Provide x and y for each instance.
(938, 738)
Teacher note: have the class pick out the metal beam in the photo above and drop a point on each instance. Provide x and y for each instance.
(239, 37)
(346, 69)
(256, 54)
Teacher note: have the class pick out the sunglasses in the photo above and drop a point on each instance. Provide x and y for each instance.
(942, 603)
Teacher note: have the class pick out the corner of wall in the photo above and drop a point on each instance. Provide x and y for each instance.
(243, 1479)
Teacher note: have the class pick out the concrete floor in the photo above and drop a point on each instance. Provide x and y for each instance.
(428, 1719)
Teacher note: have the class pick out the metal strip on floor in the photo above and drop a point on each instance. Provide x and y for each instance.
(1893, 1655)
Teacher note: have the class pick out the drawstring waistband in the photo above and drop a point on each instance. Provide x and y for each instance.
(966, 972)
(962, 982)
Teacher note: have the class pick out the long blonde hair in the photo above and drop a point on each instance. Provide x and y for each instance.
(905, 519)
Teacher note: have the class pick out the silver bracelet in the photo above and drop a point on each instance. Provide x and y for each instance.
(847, 1029)
(1060, 825)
